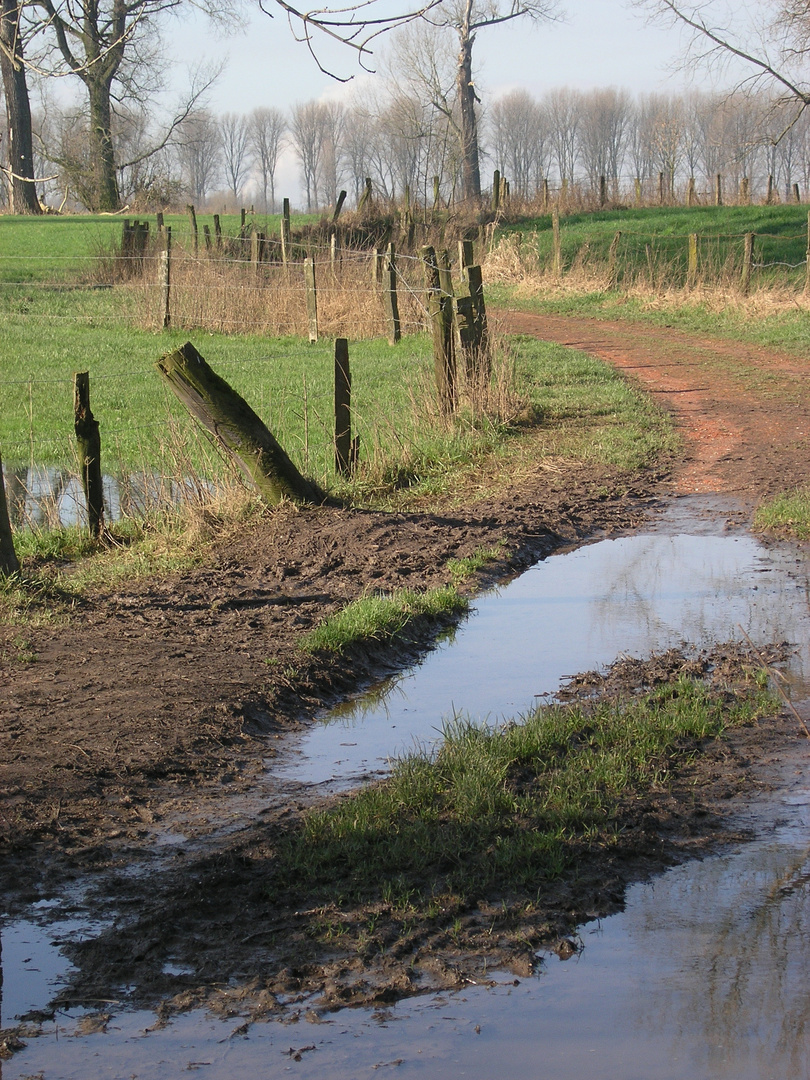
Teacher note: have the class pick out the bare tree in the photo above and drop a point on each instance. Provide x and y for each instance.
(266, 130)
(19, 132)
(518, 132)
(330, 172)
(563, 108)
(307, 120)
(465, 18)
(602, 134)
(198, 152)
(233, 138)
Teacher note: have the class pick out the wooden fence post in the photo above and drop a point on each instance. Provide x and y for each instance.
(207, 237)
(218, 232)
(341, 199)
(343, 408)
(312, 299)
(466, 257)
(235, 427)
(556, 244)
(166, 279)
(89, 443)
(745, 192)
(613, 254)
(602, 191)
(690, 192)
(637, 189)
(286, 232)
(748, 264)
(769, 193)
(366, 196)
(496, 191)
(545, 194)
(718, 190)
(254, 248)
(376, 266)
(692, 265)
(796, 195)
(807, 256)
(440, 311)
(661, 189)
(391, 303)
(192, 217)
(9, 563)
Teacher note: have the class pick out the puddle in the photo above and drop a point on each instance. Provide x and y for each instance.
(570, 613)
(702, 977)
(705, 973)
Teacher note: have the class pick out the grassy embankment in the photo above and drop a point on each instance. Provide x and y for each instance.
(648, 283)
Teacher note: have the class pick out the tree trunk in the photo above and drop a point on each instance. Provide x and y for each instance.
(471, 173)
(105, 179)
(8, 556)
(18, 113)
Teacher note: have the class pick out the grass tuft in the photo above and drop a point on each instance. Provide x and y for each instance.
(787, 514)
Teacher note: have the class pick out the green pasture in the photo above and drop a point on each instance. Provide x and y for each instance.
(654, 241)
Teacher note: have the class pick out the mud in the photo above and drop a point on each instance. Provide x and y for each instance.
(156, 703)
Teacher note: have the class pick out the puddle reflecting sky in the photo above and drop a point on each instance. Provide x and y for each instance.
(570, 613)
(704, 976)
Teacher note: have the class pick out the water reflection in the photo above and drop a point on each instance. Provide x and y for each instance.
(46, 497)
(572, 612)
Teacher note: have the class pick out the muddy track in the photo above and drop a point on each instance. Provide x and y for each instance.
(744, 411)
(156, 700)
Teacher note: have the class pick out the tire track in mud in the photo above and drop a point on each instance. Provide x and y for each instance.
(743, 410)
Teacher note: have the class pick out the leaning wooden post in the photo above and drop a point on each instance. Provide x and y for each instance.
(390, 294)
(748, 264)
(218, 232)
(235, 427)
(692, 266)
(796, 195)
(341, 199)
(286, 232)
(192, 217)
(9, 563)
(312, 299)
(444, 361)
(343, 408)
(89, 442)
(556, 244)
(166, 278)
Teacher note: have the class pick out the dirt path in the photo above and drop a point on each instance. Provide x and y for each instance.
(744, 410)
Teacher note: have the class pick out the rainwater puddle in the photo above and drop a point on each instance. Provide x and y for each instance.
(704, 976)
(687, 580)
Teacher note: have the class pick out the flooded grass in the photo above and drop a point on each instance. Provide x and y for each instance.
(382, 618)
(496, 810)
(787, 514)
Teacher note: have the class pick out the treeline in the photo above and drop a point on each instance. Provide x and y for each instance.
(596, 142)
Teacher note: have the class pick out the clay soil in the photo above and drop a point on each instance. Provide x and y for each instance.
(154, 705)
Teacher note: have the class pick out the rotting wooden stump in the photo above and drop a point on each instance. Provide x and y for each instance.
(235, 427)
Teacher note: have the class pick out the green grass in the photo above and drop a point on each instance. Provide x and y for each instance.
(382, 618)
(656, 238)
(787, 514)
(494, 810)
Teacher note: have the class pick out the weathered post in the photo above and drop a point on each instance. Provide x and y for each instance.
(254, 248)
(466, 257)
(390, 293)
(796, 196)
(159, 223)
(748, 264)
(479, 311)
(545, 194)
(343, 408)
(718, 190)
(745, 191)
(556, 244)
(286, 232)
(376, 266)
(661, 189)
(312, 299)
(9, 563)
(89, 443)
(333, 254)
(602, 191)
(496, 191)
(769, 195)
(235, 427)
(218, 231)
(341, 199)
(366, 196)
(166, 279)
(444, 361)
(691, 270)
(690, 192)
(807, 257)
(613, 272)
(637, 187)
(192, 217)
(207, 237)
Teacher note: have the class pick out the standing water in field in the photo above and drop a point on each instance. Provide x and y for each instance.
(705, 974)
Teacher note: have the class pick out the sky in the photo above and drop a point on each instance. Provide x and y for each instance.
(599, 43)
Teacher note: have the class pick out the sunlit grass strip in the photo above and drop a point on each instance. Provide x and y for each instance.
(788, 514)
(382, 617)
(498, 809)
(463, 568)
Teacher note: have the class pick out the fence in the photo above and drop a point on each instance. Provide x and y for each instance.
(73, 312)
